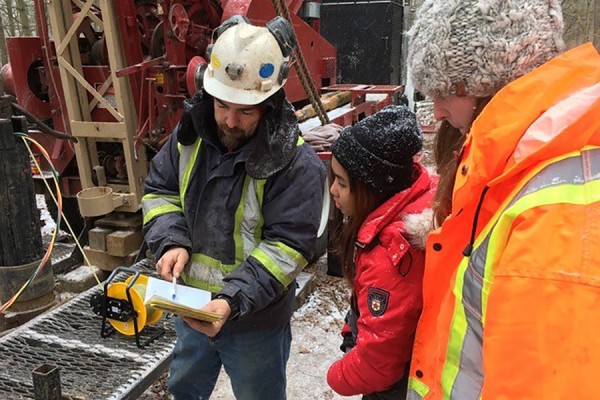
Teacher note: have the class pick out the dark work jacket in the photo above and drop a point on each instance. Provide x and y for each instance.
(208, 221)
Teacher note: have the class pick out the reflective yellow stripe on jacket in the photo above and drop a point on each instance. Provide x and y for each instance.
(154, 205)
(572, 179)
(187, 160)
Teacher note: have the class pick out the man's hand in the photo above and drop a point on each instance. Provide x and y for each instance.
(172, 262)
(211, 329)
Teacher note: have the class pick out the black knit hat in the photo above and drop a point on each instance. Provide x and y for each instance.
(378, 151)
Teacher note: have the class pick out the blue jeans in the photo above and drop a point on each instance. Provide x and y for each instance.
(254, 361)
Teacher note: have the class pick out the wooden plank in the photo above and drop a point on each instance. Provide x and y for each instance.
(97, 238)
(135, 161)
(120, 220)
(79, 77)
(103, 89)
(122, 243)
(99, 130)
(61, 17)
(107, 262)
(83, 13)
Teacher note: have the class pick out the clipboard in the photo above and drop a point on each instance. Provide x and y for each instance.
(187, 302)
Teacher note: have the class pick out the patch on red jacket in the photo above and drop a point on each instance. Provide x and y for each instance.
(377, 300)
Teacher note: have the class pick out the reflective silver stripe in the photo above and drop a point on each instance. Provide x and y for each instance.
(209, 274)
(211, 271)
(469, 380)
(150, 203)
(591, 164)
(185, 155)
(565, 171)
(283, 262)
(413, 395)
(575, 170)
(252, 213)
(154, 205)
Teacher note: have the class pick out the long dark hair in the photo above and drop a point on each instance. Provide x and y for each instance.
(366, 200)
(447, 144)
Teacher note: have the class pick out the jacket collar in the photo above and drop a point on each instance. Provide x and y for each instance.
(413, 200)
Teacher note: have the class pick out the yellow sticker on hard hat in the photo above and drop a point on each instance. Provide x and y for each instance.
(214, 60)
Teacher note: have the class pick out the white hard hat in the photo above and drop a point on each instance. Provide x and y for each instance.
(246, 65)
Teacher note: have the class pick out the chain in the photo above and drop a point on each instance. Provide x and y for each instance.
(302, 69)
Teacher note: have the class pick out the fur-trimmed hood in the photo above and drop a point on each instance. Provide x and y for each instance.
(417, 227)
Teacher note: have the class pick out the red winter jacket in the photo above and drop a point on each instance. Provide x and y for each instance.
(389, 272)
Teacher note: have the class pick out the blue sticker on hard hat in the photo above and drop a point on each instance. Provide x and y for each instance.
(266, 70)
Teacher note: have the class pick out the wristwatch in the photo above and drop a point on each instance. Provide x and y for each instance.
(235, 308)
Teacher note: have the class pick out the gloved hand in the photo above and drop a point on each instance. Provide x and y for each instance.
(348, 342)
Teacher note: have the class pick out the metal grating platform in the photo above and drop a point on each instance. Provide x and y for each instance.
(90, 367)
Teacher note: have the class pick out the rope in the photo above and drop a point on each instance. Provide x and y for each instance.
(302, 69)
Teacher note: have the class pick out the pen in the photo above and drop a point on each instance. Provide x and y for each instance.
(174, 288)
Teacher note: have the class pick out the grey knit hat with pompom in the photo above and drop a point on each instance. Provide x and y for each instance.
(378, 150)
(476, 47)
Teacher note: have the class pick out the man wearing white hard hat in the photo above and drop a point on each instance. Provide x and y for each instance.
(233, 204)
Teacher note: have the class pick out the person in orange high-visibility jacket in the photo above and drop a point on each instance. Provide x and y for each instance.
(512, 274)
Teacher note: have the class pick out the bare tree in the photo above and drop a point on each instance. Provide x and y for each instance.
(23, 13)
(3, 49)
(9, 17)
(16, 19)
(581, 22)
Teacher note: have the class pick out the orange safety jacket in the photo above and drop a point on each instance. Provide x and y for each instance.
(512, 277)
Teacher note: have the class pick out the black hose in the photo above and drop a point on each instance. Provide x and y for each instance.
(41, 125)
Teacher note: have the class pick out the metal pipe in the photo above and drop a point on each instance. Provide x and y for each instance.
(46, 382)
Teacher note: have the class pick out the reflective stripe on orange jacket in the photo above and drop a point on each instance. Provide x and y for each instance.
(519, 316)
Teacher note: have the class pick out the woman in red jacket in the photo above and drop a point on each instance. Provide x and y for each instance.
(385, 198)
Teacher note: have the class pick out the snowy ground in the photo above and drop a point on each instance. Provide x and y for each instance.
(315, 345)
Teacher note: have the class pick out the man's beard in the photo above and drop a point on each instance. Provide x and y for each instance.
(232, 138)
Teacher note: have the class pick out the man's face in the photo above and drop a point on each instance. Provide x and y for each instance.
(236, 123)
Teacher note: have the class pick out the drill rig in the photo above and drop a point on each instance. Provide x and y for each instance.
(112, 75)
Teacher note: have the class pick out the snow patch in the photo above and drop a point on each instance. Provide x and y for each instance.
(47, 222)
